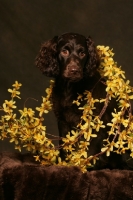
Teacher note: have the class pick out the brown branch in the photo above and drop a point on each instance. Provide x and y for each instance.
(104, 107)
(100, 80)
(28, 99)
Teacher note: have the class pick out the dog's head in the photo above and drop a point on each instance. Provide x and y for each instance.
(71, 56)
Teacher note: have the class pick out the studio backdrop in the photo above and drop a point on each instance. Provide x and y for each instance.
(25, 25)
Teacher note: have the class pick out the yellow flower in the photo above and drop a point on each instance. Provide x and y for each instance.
(27, 112)
(87, 135)
(104, 149)
(76, 102)
(109, 61)
(30, 112)
(8, 117)
(119, 144)
(39, 138)
(17, 85)
(124, 103)
(29, 147)
(84, 144)
(37, 158)
(14, 140)
(18, 147)
(6, 109)
(14, 93)
(131, 154)
(98, 124)
(116, 117)
(46, 106)
(104, 50)
(38, 125)
(8, 105)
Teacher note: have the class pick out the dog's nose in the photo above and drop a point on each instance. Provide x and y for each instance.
(73, 69)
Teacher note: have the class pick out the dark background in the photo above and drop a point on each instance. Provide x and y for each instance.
(24, 25)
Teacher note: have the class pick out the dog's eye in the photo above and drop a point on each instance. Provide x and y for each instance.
(65, 52)
(81, 53)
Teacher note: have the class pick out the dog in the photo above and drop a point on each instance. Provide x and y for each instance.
(72, 60)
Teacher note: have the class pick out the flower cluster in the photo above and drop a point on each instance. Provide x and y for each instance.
(121, 125)
(29, 132)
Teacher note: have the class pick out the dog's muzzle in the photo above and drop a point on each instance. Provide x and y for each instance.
(73, 73)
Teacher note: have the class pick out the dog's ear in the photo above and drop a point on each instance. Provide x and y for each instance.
(46, 60)
(93, 61)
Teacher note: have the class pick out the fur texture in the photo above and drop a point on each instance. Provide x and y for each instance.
(23, 179)
(72, 60)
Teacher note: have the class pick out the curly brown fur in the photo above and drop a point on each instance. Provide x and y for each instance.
(47, 58)
(72, 60)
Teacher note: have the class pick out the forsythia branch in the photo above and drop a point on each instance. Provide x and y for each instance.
(29, 132)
